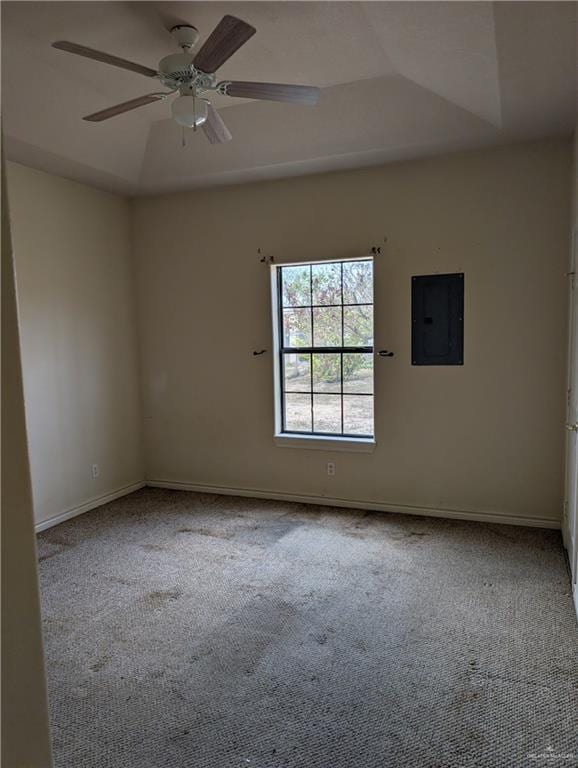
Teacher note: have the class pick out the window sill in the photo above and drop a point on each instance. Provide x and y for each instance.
(317, 443)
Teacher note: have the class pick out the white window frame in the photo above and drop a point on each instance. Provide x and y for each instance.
(311, 442)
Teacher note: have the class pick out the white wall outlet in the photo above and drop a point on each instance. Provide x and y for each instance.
(330, 468)
(95, 471)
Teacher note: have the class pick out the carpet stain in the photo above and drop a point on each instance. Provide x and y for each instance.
(268, 532)
(122, 580)
(52, 546)
(158, 598)
(400, 535)
(100, 664)
(207, 532)
(48, 556)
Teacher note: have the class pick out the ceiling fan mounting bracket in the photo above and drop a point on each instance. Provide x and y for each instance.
(185, 35)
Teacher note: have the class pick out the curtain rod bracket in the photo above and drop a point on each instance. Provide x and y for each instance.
(265, 259)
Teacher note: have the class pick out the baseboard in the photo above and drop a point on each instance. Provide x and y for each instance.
(452, 514)
(88, 505)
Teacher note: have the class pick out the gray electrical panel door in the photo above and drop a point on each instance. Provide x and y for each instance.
(437, 319)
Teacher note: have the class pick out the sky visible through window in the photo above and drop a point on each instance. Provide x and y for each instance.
(326, 348)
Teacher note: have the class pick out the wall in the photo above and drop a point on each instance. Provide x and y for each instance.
(78, 328)
(25, 730)
(570, 522)
(487, 437)
(573, 554)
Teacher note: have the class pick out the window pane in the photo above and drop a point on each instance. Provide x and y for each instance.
(327, 413)
(296, 286)
(358, 373)
(297, 413)
(296, 327)
(327, 327)
(326, 283)
(358, 282)
(297, 373)
(358, 326)
(326, 373)
(357, 415)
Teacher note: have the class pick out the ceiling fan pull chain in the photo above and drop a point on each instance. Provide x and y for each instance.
(184, 137)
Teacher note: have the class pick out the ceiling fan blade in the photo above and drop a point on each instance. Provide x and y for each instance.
(227, 37)
(106, 58)
(215, 129)
(126, 106)
(294, 94)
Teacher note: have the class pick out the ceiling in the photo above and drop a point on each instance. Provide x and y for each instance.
(398, 79)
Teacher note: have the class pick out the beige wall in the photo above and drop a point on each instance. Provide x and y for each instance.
(77, 314)
(485, 437)
(573, 518)
(569, 523)
(25, 731)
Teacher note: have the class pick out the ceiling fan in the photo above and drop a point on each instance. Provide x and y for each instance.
(193, 77)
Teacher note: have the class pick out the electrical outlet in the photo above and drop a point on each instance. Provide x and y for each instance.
(330, 468)
(95, 471)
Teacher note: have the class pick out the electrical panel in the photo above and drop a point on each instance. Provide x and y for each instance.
(437, 319)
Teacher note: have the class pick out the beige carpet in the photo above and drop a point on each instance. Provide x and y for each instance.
(196, 631)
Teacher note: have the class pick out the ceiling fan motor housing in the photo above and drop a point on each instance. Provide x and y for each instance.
(177, 70)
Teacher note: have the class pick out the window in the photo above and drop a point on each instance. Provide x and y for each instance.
(325, 348)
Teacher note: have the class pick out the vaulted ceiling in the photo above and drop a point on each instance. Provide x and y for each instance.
(398, 80)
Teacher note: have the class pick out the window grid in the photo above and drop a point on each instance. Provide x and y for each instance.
(312, 351)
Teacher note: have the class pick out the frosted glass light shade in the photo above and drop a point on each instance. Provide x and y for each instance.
(189, 111)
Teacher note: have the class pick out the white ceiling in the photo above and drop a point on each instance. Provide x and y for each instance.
(398, 79)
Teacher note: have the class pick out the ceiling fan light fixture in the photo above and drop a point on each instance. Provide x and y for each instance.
(190, 111)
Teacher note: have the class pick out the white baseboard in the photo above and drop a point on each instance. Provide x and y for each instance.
(88, 505)
(453, 514)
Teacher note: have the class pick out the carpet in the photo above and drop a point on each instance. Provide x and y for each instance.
(189, 630)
